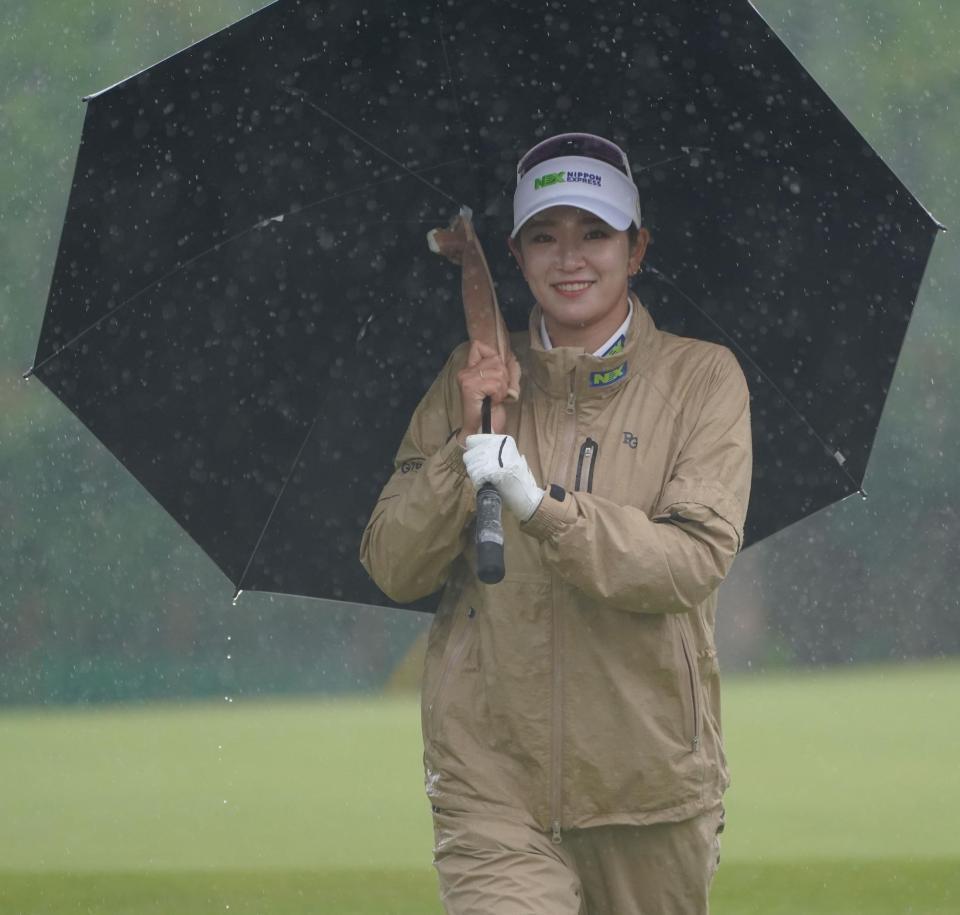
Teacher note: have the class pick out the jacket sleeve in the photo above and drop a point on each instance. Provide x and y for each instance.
(418, 525)
(672, 561)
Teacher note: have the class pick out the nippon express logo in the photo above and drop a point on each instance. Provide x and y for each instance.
(567, 178)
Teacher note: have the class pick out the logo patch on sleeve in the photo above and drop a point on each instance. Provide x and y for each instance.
(611, 376)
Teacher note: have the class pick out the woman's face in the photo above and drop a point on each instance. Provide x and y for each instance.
(577, 267)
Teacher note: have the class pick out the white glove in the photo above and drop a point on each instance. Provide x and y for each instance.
(495, 459)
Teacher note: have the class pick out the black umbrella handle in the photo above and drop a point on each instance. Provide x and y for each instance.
(489, 529)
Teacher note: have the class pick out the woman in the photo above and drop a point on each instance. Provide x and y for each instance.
(571, 721)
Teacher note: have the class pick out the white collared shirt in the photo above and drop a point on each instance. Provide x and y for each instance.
(620, 332)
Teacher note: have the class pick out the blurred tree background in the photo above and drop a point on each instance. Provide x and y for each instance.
(102, 596)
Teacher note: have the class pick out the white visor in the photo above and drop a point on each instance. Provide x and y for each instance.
(577, 181)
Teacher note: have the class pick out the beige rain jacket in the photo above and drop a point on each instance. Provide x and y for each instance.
(583, 689)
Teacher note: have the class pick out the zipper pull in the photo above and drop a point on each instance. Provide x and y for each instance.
(557, 838)
(571, 402)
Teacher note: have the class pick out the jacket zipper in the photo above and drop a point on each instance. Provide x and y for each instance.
(437, 704)
(567, 422)
(694, 692)
(555, 800)
(566, 448)
(587, 461)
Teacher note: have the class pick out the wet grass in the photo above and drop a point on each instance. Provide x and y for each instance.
(337, 892)
(892, 887)
(846, 786)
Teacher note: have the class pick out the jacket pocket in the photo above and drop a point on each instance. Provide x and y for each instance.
(462, 634)
(693, 679)
(589, 451)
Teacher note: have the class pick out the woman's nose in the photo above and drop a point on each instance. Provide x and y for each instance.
(571, 255)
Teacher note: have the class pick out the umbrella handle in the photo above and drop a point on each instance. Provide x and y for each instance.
(489, 532)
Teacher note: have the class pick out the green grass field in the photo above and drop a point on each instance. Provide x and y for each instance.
(846, 798)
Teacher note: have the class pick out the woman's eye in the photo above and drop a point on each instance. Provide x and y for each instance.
(596, 233)
(541, 237)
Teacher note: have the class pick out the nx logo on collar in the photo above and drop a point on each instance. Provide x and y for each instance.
(602, 379)
(617, 347)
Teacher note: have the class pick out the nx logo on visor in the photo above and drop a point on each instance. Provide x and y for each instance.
(567, 178)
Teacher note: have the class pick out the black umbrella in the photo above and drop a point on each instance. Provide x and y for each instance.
(245, 312)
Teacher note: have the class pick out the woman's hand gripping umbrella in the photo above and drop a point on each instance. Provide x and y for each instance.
(492, 374)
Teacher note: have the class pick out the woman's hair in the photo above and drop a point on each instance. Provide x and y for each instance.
(633, 233)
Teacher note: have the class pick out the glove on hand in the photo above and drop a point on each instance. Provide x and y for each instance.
(495, 459)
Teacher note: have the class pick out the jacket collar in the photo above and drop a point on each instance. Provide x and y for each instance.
(566, 369)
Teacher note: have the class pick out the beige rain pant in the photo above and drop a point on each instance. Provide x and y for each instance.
(490, 866)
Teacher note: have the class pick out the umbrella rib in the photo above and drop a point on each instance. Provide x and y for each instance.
(833, 452)
(276, 502)
(308, 101)
(453, 92)
(221, 244)
(685, 152)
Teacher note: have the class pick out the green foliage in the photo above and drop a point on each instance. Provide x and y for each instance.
(95, 573)
(103, 596)
(873, 580)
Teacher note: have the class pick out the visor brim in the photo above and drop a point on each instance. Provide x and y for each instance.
(616, 218)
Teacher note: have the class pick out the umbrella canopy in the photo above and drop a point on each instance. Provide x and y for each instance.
(243, 309)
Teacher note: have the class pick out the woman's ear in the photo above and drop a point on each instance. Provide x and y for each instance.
(639, 251)
(516, 251)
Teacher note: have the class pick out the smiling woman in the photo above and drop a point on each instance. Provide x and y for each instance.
(577, 267)
(577, 699)
(577, 236)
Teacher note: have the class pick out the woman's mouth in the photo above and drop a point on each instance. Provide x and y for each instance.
(571, 289)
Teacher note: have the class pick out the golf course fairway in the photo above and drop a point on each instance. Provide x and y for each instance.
(845, 794)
